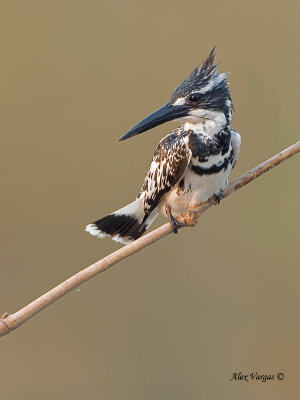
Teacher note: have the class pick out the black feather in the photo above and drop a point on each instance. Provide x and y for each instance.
(124, 225)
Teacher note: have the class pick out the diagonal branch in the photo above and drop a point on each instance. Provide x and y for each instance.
(9, 322)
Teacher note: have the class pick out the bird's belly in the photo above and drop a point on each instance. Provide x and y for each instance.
(197, 189)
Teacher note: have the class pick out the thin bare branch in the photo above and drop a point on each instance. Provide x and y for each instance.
(9, 322)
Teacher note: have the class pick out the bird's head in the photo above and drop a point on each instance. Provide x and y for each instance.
(203, 95)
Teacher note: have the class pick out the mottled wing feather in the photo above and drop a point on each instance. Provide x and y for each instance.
(168, 165)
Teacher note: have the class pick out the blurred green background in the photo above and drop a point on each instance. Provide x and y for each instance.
(178, 319)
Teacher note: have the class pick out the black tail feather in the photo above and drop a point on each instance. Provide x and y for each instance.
(124, 226)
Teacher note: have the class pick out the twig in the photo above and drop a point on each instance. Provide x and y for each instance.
(8, 322)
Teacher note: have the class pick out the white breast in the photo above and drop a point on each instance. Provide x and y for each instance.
(198, 188)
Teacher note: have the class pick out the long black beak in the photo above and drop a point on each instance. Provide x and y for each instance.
(168, 112)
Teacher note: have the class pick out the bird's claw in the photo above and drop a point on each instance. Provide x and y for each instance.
(174, 222)
(218, 197)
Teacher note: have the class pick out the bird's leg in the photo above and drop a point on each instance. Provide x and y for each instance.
(175, 223)
(218, 196)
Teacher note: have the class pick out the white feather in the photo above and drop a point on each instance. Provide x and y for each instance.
(93, 230)
(236, 141)
(134, 209)
(205, 122)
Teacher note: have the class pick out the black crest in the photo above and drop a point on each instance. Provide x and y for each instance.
(203, 77)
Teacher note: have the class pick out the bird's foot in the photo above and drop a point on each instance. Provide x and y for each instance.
(218, 197)
(174, 222)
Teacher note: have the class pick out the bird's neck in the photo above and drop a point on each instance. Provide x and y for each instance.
(206, 122)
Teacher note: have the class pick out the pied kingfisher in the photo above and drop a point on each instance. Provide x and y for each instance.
(191, 164)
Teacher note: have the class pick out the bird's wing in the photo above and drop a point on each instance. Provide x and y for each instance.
(168, 165)
(236, 145)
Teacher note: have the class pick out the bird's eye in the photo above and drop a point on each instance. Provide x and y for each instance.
(194, 97)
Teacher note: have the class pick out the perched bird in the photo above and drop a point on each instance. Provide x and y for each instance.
(191, 164)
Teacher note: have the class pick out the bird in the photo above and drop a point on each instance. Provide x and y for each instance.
(190, 165)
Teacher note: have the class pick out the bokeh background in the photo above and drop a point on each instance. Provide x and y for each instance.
(178, 319)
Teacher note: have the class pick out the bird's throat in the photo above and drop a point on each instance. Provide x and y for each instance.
(206, 123)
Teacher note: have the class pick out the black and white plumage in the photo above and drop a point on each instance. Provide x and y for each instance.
(191, 164)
